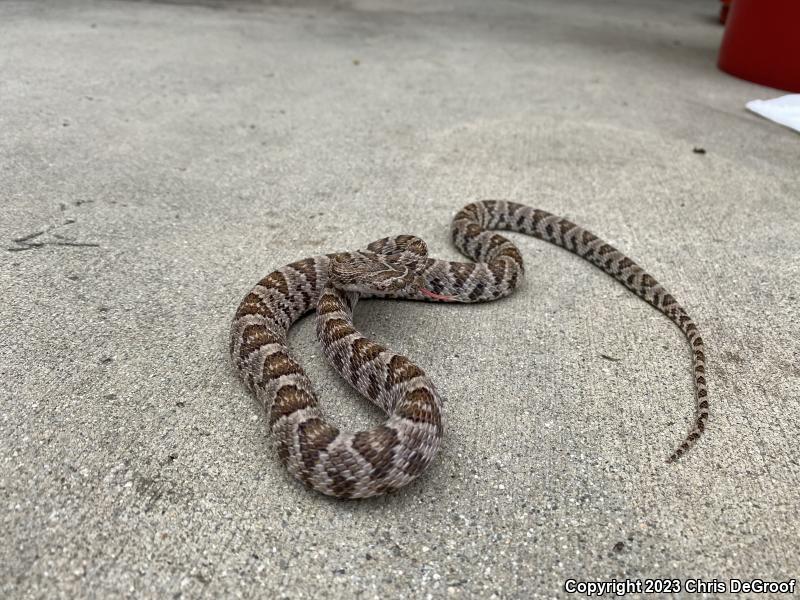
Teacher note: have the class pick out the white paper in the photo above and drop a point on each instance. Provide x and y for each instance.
(784, 110)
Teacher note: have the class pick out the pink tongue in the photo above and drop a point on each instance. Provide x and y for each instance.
(434, 295)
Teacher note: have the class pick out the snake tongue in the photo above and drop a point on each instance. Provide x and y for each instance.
(434, 295)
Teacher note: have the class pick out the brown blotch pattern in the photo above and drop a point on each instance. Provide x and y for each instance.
(377, 446)
(420, 406)
(512, 253)
(336, 329)
(289, 399)
(277, 365)
(364, 351)
(254, 337)
(401, 370)
(314, 436)
(307, 267)
(276, 280)
(328, 304)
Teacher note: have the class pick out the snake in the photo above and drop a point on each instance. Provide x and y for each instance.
(380, 460)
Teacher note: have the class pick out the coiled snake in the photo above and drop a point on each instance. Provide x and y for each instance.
(389, 456)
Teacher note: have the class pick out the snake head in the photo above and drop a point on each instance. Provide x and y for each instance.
(387, 265)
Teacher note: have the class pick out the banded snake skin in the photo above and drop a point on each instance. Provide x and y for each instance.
(391, 455)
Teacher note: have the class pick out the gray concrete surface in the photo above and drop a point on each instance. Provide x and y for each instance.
(190, 147)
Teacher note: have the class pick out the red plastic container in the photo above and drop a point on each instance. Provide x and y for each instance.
(762, 43)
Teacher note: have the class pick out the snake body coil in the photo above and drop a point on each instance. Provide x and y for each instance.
(389, 456)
